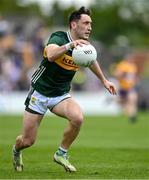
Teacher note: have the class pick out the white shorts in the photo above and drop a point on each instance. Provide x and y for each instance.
(40, 103)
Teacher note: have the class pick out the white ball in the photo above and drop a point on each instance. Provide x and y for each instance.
(84, 55)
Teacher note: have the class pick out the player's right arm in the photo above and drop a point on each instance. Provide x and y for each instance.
(54, 51)
(95, 68)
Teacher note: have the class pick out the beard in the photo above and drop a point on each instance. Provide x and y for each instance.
(84, 36)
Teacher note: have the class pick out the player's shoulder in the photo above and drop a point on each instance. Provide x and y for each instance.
(59, 34)
(58, 37)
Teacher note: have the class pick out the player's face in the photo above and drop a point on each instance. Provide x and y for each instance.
(83, 27)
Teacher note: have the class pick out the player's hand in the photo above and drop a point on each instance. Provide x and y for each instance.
(110, 87)
(79, 42)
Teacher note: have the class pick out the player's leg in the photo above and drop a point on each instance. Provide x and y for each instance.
(69, 109)
(132, 105)
(27, 138)
(30, 126)
(123, 101)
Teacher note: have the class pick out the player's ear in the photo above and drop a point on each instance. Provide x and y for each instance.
(73, 25)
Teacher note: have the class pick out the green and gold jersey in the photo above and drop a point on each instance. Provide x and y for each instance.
(53, 78)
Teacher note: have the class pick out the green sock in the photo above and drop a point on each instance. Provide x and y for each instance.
(61, 151)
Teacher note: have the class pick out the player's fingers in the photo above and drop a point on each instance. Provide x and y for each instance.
(75, 44)
(113, 90)
(81, 42)
(86, 42)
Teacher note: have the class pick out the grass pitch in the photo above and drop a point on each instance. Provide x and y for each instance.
(107, 148)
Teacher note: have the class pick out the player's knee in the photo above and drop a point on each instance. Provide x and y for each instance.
(77, 120)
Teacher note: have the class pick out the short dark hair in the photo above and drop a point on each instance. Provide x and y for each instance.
(76, 15)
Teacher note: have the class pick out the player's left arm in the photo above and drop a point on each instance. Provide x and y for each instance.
(95, 68)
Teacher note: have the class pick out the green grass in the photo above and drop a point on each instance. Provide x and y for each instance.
(107, 148)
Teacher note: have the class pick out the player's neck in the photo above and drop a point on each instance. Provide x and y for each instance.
(73, 35)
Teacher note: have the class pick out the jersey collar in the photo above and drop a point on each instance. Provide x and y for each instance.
(69, 36)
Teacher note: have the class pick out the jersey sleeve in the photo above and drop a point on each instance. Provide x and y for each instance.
(56, 39)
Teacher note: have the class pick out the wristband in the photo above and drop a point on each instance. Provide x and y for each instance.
(68, 46)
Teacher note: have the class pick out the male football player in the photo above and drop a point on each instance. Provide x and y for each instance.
(50, 87)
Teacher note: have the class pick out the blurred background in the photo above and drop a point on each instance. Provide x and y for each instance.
(109, 146)
(120, 28)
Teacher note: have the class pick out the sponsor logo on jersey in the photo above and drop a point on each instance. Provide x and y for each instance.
(67, 62)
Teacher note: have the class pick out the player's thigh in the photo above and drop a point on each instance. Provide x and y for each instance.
(69, 109)
(30, 124)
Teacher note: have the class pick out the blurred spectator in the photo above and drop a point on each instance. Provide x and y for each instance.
(4, 26)
(38, 39)
(19, 53)
(126, 74)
